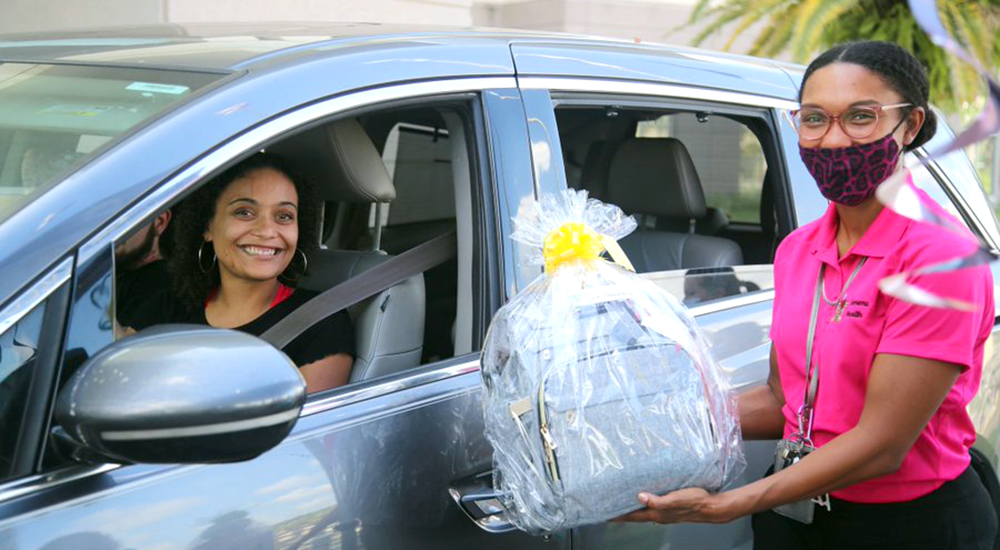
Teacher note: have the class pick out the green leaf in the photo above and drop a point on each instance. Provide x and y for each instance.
(699, 10)
(801, 27)
(814, 16)
(771, 42)
(761, 9)
(720, 21)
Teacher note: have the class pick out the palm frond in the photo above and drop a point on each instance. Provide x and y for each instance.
(699, 10)
(773, 41)
(969, 19)
(721, 19)
(765, 8)
(962, 86)
(814, 17)
(802, 27)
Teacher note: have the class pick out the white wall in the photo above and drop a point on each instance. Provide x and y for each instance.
(35, 15)
(440, 12)
(646, 20)
(662, 21)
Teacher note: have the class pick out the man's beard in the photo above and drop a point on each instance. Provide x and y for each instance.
(135, 258)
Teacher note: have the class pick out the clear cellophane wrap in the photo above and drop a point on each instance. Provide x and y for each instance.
(598, 383)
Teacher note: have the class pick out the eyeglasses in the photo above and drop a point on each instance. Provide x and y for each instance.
(857, 122)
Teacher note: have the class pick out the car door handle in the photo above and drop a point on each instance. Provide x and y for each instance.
(476, 497)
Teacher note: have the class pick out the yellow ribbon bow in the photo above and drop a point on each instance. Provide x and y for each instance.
(575, 241)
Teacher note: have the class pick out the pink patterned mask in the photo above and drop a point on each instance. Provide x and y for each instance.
(849, 175)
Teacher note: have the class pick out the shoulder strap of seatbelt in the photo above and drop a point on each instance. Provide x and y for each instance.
(362, 286)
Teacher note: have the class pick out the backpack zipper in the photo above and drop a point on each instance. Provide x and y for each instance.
(548, 443)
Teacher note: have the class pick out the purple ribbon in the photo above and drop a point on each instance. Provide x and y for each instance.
(900, 195)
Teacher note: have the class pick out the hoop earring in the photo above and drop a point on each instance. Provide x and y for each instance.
(305, 261)
(201, 264)
(298, 273)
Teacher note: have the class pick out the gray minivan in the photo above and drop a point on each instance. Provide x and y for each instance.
(187, 438)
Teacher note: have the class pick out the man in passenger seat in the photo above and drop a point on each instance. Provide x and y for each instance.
(141, 267)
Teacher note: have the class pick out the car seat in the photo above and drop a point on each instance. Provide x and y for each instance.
(344, 166)
(656, 177)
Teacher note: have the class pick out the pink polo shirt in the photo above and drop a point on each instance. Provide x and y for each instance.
(874, 323)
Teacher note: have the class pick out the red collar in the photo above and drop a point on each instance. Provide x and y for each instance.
(283, 293)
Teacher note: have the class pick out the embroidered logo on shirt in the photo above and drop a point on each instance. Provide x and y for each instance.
(855, 313)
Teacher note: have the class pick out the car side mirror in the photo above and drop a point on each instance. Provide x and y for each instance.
(181, 394)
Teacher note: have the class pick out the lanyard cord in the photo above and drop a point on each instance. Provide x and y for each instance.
(805, 414)
(843, 291)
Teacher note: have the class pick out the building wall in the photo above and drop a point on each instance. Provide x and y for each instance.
(36, 15)
(440, 12)
(646, 20)
(663, 21)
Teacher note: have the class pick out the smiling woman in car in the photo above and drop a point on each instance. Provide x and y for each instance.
(240, 247)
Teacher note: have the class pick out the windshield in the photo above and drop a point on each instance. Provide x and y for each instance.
(52, 117)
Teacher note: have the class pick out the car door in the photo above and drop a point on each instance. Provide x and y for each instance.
(599, 98)
(379, 464)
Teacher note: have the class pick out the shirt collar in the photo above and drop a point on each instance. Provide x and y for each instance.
(883, 234)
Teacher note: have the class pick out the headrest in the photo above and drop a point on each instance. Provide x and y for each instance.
(39, 165)
(341, 161)
(655, 176)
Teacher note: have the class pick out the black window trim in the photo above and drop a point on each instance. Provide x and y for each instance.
(51, 291)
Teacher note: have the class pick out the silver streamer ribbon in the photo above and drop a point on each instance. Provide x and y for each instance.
(900, 195)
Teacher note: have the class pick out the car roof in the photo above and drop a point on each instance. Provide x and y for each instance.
(239, 46)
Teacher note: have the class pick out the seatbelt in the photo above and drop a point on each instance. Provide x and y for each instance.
(362, 286)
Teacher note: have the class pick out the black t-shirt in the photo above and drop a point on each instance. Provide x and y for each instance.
(138, 286)
(328, 337)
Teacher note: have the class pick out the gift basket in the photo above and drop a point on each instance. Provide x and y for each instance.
(597, 383)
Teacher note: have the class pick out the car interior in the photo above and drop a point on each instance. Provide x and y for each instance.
(385, 182)
(388, 180)
(700, 183)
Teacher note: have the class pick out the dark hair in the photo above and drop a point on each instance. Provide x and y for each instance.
(897, 66)
(191, 281)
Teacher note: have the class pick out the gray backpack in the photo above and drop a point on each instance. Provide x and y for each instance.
(586, 414)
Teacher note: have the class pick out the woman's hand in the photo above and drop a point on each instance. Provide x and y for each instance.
(686, 505)
(903, 393)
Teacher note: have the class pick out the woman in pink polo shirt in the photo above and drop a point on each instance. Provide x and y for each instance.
(889, 422)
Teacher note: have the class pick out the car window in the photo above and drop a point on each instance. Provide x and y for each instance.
(18, 351)
(657, 164)
(728, 157)
(52, 117)
(419, 160)
(424, 153)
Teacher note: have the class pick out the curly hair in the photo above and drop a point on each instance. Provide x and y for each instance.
(191, 281)
(897, 66)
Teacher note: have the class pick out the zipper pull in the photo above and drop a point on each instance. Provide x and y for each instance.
(549, 442)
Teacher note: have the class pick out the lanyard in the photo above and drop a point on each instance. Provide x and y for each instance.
(805, 414)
